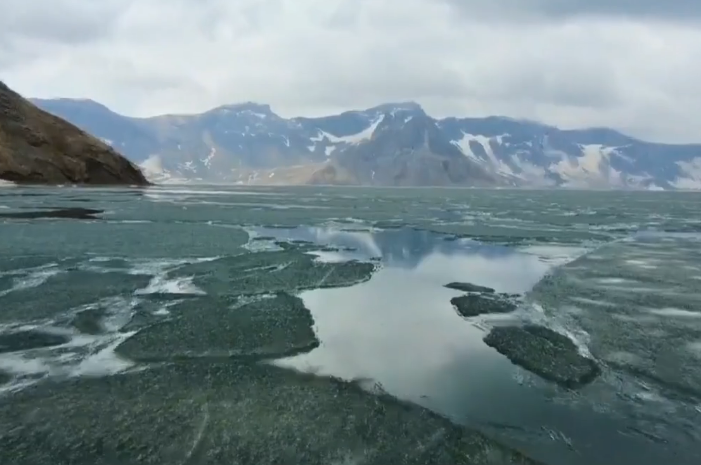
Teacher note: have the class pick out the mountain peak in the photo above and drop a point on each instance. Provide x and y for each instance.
(253, 107)
(395, 107)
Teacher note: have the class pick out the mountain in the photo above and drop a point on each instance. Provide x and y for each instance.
(406, 147)
(395, 144)
(39, 148)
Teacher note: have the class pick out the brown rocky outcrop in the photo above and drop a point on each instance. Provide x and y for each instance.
(37, 147)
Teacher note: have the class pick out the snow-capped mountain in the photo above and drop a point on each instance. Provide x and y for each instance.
(391, 144)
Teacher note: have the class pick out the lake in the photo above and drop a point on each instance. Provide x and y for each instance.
(219, 324)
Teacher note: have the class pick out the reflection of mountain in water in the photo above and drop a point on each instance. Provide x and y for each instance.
(402, 248)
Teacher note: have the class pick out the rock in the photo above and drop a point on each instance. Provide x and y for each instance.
(88, 322)
(263, 238)
(478, 304)
(230, 413)
(4, 377)
(507, 295)
(74, 213)
(300, 246)
(208, 328)
(469, 287)
(24, 340)
(37, 147)
(544, 352)
(390, 224)
(333, 248)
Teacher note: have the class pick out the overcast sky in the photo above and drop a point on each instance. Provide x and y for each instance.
(630, 64)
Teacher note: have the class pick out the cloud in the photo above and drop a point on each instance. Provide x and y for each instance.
(68, 21)
(634, 66)
(675, 10)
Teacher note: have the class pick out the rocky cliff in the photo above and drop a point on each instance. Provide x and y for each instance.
(37, 147)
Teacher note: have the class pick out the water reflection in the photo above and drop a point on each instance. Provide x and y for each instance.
(400, 330)
(408, 248)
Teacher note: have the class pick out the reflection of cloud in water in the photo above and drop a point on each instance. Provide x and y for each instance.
(363, 241)
(395, 329)
(408, 248)
(400, 328)
(506, 273)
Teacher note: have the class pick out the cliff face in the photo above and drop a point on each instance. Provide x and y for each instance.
(39, 148)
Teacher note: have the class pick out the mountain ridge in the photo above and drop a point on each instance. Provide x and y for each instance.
(392, 144)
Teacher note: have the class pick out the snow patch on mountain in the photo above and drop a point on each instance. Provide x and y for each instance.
(593, 169)
(253, 113)
(591, 165)
(188, 166)
(364, 135)
(499, 166)
(208, 159)
(464, 145)
(530, 173)
(692, 175)
(153, 169)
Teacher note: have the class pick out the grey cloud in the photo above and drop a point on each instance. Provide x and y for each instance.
(680, 10)
(515, 58)
(557, 87)
(669, 9)
(345, 15)
(58, 21)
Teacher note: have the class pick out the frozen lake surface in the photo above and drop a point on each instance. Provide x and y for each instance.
(209, 325)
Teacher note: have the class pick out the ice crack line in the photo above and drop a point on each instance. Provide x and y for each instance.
(199, 436)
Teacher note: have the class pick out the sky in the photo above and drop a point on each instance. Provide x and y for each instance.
(633, 65)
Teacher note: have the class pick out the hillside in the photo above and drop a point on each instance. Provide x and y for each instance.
(38, 147)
